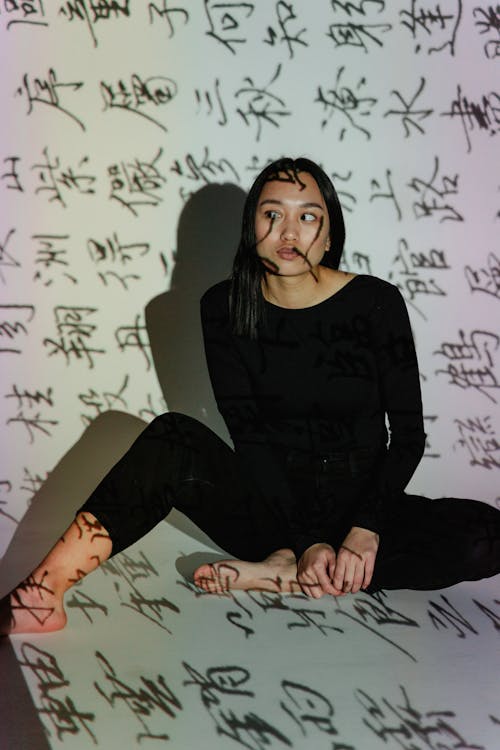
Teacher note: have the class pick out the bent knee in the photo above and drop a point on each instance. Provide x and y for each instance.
(176, 424)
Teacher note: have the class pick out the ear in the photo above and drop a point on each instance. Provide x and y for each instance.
(327, 245)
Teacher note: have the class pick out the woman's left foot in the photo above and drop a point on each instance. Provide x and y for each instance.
(277, 573)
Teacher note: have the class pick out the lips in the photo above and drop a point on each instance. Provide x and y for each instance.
(287, 253)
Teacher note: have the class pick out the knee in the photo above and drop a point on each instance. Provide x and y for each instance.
(174, 418)
(168, 418)
(483, 551)
(176, 424)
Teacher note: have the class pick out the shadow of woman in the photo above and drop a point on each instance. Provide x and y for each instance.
(207, 235)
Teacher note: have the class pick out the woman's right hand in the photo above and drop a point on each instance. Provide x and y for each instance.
(315, 571)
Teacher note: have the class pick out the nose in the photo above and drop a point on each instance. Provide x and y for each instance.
(289, 230)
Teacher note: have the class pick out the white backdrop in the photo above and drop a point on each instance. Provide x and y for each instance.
(130, 131)
(114, 115)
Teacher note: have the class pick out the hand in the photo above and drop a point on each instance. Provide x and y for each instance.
(356, 560)
(315, 571)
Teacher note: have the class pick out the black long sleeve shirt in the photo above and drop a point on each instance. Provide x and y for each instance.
(341, 375)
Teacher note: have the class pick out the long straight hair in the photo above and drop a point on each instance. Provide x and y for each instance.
(246, 303)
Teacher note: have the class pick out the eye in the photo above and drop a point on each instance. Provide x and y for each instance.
(271, 214)
(308, 217)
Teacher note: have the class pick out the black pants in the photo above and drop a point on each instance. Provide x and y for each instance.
(178, 462)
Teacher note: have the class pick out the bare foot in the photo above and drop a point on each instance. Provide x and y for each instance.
(32, 607)
(36, 605)
(277, 573)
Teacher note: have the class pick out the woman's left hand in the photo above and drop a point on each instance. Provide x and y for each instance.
(356, 560)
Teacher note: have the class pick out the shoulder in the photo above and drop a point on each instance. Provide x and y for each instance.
(216, 299)
(377, 285)
(379, 292)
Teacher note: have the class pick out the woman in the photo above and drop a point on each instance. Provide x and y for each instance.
(306, 363)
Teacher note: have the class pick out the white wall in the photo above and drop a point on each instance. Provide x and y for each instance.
(112, 117)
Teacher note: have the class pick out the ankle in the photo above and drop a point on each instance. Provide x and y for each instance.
(42, 584)
(284, 555)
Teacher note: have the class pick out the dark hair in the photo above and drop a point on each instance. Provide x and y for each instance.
(246, 304)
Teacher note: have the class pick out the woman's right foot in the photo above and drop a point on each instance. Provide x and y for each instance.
(36, 605)
(32, 607)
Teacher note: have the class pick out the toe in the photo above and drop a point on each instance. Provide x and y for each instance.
(205, 577)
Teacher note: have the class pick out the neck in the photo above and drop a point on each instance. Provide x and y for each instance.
(294, 291)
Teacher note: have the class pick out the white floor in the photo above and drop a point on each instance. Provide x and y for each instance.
(148, 661)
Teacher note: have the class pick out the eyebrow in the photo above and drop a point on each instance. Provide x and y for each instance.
(309, 204)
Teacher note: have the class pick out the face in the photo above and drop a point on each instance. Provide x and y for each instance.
(292, 226)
